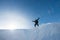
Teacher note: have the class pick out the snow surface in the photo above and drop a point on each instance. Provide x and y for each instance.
(48, 31)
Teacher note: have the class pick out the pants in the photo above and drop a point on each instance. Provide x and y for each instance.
(36, 25)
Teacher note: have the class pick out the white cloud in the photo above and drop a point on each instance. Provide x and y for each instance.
(50, 10)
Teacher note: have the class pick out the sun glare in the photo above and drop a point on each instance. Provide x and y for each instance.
(11, 27)
(14, 21)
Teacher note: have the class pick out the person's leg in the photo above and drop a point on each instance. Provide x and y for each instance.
(35, 25)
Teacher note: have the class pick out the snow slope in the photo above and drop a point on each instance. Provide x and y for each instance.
(48, 31)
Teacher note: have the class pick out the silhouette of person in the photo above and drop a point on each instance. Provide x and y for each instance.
(36, 22)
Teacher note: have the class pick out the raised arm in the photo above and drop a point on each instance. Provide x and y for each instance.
(33, 21)
(38, 18)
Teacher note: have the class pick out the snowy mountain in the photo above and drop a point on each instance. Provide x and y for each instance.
(48, 31)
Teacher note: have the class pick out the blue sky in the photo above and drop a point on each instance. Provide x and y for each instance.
(47, 10)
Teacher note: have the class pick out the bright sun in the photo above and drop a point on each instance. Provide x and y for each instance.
(13, 21)
(11, 26)
(17, 23)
